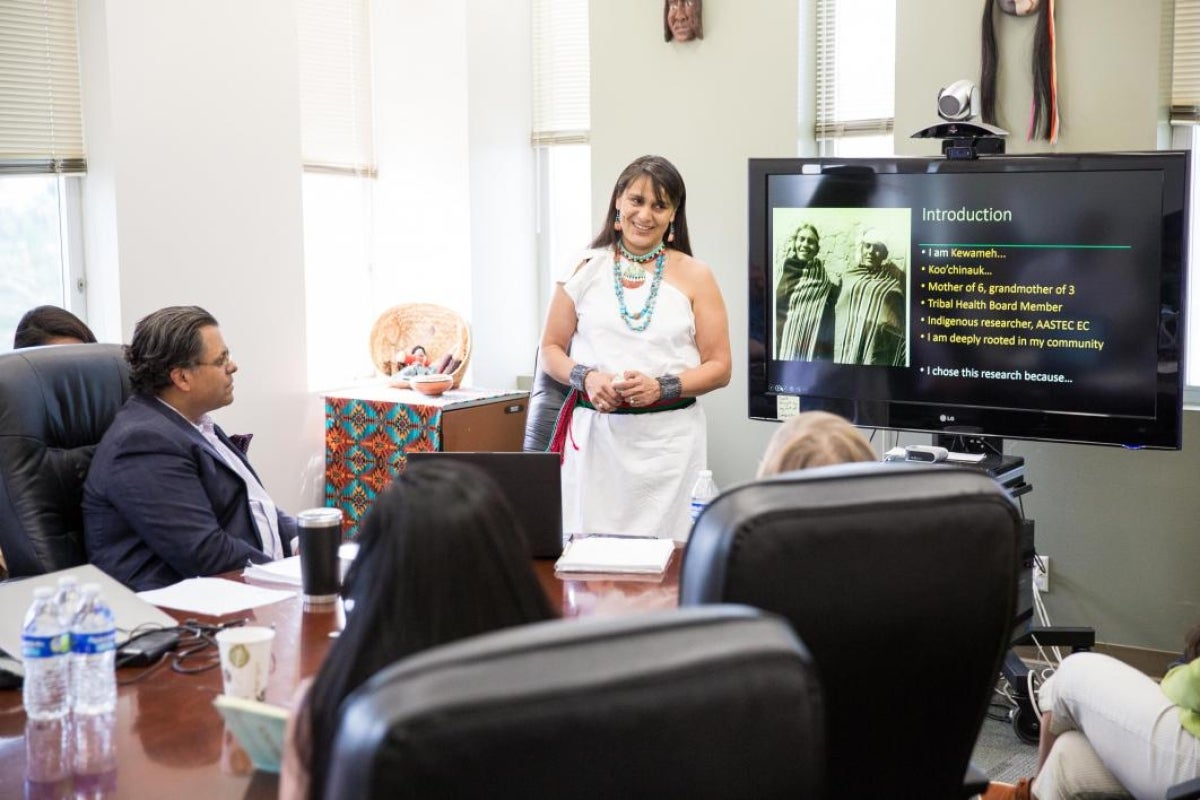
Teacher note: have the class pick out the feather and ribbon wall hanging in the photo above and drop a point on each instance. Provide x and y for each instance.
(1043, 114)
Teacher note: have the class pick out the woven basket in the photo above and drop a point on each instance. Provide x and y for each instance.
(436, 328)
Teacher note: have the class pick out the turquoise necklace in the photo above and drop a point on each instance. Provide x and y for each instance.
(633, 270)
(641, 320)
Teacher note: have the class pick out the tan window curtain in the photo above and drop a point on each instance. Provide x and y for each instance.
(336, 119)
(41, 121)
(561, 72)
(855, 96)
(1185, 67)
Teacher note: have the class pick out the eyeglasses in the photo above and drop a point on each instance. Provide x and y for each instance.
(221, 362)
(676, 4)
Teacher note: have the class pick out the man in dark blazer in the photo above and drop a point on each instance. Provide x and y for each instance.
(168, 496)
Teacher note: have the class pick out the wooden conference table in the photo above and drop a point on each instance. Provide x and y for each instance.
(170, 741)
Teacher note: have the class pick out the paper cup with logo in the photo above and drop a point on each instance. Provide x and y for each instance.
(246, 660)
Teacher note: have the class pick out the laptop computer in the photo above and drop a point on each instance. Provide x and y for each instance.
(532, 484)
(129, 610)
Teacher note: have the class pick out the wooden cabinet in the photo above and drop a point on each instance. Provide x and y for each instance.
(370, 429)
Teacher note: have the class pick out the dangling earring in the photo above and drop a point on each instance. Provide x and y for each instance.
(617, 221)
(671, 232)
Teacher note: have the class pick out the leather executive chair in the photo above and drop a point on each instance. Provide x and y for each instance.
(55, 404)
(901, 580)
(546, 397)
(680, 703)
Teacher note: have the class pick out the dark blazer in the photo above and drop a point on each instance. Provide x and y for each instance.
(161, 505)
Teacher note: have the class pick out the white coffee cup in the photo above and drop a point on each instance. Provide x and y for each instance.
(246, 661)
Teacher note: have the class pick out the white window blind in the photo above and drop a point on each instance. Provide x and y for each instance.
(1185, 72)
(561, 72)
(335, 87)
(41, 122)
(856, 68)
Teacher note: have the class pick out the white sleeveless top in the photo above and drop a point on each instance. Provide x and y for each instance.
(631, 473)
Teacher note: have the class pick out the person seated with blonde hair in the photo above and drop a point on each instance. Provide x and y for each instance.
(814, 439)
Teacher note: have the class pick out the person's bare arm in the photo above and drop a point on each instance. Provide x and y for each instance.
(712, 340)
(561, 321)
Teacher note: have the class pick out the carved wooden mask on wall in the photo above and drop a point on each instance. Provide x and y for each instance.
(682, 20)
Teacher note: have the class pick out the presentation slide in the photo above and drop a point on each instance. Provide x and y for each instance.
(1009, 290)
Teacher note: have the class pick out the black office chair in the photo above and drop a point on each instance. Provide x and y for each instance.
(55, 404)
(901, 580)
(683, 703)
(546, 398)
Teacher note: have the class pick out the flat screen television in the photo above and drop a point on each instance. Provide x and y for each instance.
(1025, 296)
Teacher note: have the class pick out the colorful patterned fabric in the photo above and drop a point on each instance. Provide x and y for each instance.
(365, 446)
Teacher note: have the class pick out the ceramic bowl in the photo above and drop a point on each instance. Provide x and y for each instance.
(431, 384)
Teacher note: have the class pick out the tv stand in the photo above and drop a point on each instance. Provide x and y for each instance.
(1010, 472)
(969, 440)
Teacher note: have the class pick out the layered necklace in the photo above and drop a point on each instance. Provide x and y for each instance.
(628, 271)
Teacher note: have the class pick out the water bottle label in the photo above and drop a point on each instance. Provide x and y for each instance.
(92, 643)
(697, 507)
(45, 646)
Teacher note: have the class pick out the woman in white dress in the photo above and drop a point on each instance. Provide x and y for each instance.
(638, 328)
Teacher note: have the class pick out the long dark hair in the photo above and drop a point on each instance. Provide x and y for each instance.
(1191, 644)
(1043, 122)
(441, 558)
(1044, 116)
(668, 186)
(987, 68)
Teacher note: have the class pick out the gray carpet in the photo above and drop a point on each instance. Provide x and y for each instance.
(1000, 754)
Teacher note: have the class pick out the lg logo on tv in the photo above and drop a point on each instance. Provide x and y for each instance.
(945, 418)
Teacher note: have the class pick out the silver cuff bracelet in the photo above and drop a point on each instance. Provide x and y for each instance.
(670, 387)
(578, 375)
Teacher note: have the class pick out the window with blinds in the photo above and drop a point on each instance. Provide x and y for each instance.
(1185, 67)
(856, 76)
(561, 132)
(561, 72)
(41, 122)
(335, 87)
(1185, 114)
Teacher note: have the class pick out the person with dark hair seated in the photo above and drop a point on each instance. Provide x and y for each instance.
(441, 557)
(51, 325)
(814, 439)
(1108, 730)
(168, 495)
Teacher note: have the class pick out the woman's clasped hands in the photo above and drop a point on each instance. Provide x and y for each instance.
(631, 388)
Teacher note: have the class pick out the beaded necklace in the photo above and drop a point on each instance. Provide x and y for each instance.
(641, 320)
(633, 270)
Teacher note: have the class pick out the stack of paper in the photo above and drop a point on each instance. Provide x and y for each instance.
(616, 554)
(287, 570)
(215, 597)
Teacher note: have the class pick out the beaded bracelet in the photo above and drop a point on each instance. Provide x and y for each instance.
(670, 387)
(579, 374)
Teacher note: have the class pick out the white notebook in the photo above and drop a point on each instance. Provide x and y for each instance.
(621, 554)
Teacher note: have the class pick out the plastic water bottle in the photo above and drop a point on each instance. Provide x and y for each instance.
(67, 599)
(93, 655)
(45, 649)
(704, 490)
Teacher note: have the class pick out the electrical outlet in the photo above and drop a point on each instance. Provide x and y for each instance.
(1041, 573)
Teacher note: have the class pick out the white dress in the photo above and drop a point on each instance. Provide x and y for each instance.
(631, 473)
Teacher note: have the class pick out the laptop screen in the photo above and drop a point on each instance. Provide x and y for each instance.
(533, 487)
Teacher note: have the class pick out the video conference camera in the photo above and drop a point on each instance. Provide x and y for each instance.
(958, 101)
(962, 136)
